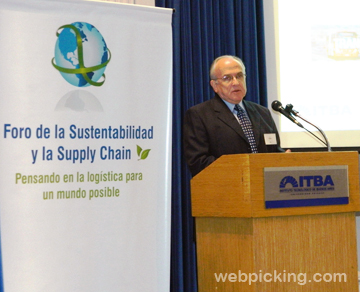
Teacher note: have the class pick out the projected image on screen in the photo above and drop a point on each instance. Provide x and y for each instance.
(340, 44)
(335, 60)
(317, 69)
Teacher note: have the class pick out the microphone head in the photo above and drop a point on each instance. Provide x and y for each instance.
(276, 105)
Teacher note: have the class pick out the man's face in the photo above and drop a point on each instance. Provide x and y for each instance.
(231, 84)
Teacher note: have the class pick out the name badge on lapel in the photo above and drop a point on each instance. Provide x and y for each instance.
(270, 139)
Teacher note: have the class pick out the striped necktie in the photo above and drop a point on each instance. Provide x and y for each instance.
(246, 127)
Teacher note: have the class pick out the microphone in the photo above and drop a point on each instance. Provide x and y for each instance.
(277, 106)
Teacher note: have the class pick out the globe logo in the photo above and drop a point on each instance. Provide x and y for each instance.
(81, 54)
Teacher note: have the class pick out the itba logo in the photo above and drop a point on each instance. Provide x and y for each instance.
(306, 183)
(81, 54)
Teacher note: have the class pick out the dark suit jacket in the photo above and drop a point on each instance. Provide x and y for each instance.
(211, 130)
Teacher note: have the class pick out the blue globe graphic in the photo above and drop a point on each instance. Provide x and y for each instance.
(81, 54)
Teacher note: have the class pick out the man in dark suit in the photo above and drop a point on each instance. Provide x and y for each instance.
(212, 128)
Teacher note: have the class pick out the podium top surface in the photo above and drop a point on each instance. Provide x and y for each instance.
(233, 185)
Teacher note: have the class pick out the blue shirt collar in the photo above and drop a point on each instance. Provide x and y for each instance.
(231, 105)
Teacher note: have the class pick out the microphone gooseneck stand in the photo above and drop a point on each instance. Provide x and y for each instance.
(289, 109)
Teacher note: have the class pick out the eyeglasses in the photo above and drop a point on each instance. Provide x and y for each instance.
(229, 78)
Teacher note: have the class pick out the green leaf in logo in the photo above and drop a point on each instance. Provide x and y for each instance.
(145, 154)
(142, 154)
(139, 149)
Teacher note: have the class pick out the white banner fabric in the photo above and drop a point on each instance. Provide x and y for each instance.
(86, 110)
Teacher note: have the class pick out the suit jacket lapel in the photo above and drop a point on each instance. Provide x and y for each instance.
(224, 114)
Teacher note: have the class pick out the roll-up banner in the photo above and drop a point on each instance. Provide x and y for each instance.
(85, 127)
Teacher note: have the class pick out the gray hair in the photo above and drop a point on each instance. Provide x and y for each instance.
(237, 59)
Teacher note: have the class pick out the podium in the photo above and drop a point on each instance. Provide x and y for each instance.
(244, 246)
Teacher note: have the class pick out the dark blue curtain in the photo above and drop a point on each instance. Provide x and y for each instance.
(202, 31)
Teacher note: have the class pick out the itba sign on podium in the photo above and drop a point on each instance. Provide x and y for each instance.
(85, 146)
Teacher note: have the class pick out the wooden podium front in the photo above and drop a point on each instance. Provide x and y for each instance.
(242, 246)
